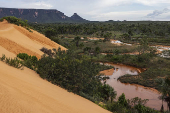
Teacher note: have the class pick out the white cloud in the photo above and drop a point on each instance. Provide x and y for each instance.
(107, 3)
(158, 12)
(153, 2)
(37, 4)
(41, 5)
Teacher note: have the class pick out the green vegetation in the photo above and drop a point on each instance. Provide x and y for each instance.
(29, 61)
(164, 88)
(131, 32)
(156, 68)
(12, 62)
(17, 21)
(135, 105)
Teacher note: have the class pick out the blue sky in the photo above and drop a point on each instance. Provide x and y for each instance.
(101, 10)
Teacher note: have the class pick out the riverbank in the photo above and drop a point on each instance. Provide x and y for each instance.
(133, 90)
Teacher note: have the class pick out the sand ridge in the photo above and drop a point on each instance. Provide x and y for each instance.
(39, 37)
(16, 48)
(22, 40)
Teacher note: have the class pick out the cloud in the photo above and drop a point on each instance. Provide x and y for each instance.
(157, 13)
(41, 5)
(98, 9)
(37, 4)
(108, 3)
(125, 15)
(152, 2)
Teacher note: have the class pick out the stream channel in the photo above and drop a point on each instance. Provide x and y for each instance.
(133, 90)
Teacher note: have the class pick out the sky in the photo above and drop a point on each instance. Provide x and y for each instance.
(101, 10)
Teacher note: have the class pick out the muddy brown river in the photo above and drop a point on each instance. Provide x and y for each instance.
(132, 91)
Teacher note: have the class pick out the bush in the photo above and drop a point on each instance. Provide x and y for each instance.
(12, 62)
(23, 56)
(17, 21)
(29, 61)
(47, 51)
(49, 33)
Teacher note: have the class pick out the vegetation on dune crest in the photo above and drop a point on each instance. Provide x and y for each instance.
(17, 21)
(12, 62)
(29, 61)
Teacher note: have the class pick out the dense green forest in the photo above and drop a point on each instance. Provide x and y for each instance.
(156, 32)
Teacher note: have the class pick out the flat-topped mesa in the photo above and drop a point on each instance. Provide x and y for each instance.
(39, 15)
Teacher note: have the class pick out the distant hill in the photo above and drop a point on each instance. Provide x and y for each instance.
(76, 17)
(40, 15)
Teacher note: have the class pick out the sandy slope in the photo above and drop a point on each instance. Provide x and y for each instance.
(23, 91)
(18, 40)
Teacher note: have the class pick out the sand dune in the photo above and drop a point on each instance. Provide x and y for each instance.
(23, 91)
(21, 40)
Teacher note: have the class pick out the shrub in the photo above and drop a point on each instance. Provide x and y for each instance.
(17, 21)
(23, 56)
(29, 61)
(122, 100)
(47, 51)
(12, 62)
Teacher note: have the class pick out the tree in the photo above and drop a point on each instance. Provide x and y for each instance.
(49, 33)
(122, 100)
(130, 32)
(97, 50)
(144, 46)
(107, 92)
(77, 39)
(88, 49)
(107, 36)
(164, 88)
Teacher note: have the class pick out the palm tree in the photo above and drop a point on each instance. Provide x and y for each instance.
(97, 50)
(108, 92)
(77, 39)
(164, 88)
(167, 98)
